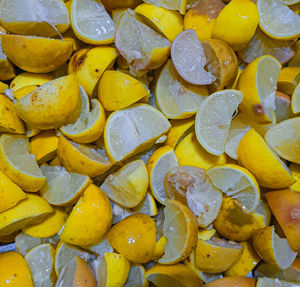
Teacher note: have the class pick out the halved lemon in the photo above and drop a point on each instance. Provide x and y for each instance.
(48, 227)
(89, 126)
(159, 163)
(65, 252)
(164, 20)
(261, 44)
(83, 159)
(141, 46)
(238, 128)
(237, 182)
(62, 187)
(111, 269)
(191, 186)
(34, 17)
(91, 23)
(189, 59)
(101, 248)
(128, 186)
(31, 210)
(176, 98)
(258, 84)
(284, 138)
(256, 156)
(176, 275)
(213, 119)
(273, 249)
(216, 255)
(43, 274)
(133, 130)
(76, 273)
(18, 164)
(288, 79)
(181, 229)
(273, 15)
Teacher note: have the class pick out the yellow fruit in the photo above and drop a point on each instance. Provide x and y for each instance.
(274, 282)
(273, 249)
(165, 21)
(176, 98)
(128, 186)
(134, 237)
(34, 17)
(288, 79)
(3, 87)
(189, 59)
(236, 23)
(10, 193)
(83, 159)
(176, 275)
(234, 223)
(237, 182)
(90, 218)
(191, 186)
(170, 5)
(28, 79)
(45, 54)
(296, 100)
(31, 210)
(14, 270)
(190, 152)
(111, 270)
(40, 260)
(279, 29)
(44, 146)
(258, 89)
(52, 105)
(133, 130)
(216, 255)
(248, 260)
(130, 40)
(255, 155)
(201, 17)
(137, 277)
(65, 252)
(159, 248)
(296, 59)
(7, 70)
(118, 90)
(204, 276)
(213, 119)
(180, 228)
(48, 227)
(24, 91)
(284, 138)
(159, 163)
(89, 64)
(9, 120)
(223, 63)
(70, 36)
(179, 130)
(295, 170)
(89, 126)
(239, 126)
(261, 45)
(77, 273)
(91, 23)
(18, 164)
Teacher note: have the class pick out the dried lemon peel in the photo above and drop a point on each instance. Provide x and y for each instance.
(189, 59)
(191, 186)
